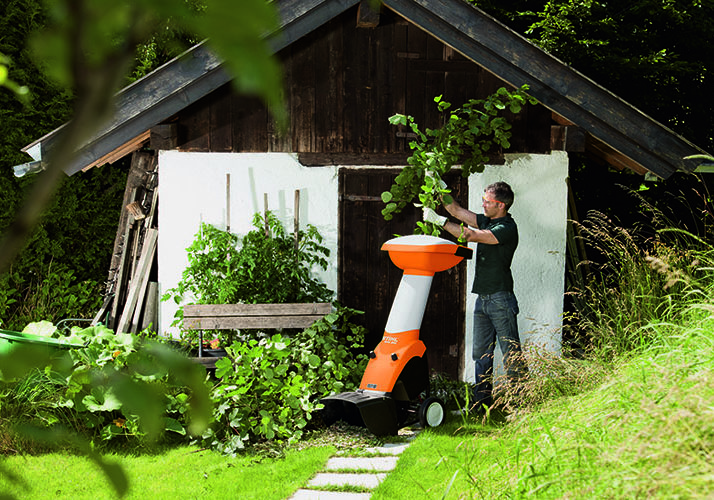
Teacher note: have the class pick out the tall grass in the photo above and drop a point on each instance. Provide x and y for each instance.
(635, 291)
(634, 277)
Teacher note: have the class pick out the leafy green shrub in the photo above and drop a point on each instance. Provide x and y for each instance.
(52, 293)
(270, 388)
(121, 385)
(117, 385)
(50, 279)
(267, 268)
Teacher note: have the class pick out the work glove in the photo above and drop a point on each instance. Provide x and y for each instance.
(433, 217)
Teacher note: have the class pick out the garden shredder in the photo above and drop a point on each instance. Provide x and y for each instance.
(391, 393)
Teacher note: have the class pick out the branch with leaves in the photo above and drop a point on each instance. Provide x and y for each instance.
(467, 137)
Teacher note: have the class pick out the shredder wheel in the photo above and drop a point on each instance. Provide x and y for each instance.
(431, 413)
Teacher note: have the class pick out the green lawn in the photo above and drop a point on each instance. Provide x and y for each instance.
(185, 472)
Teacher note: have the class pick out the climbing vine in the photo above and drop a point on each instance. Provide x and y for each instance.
(468, 136)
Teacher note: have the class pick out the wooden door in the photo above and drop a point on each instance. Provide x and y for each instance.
(368, 280)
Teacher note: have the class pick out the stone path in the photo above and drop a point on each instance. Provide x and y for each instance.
(363, 472)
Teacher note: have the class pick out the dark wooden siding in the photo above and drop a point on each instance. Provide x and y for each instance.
(342, 83)
(368, 280)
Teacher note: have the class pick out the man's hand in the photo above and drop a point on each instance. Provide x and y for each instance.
(433, 217)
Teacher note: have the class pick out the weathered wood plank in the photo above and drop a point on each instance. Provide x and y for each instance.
(139, 280)
(250, 322)
(329, 87)
(253, 316)
(291, 309)
(250, 126)
(220, 121)
(302, 94)
(348, 159)
(163, 136)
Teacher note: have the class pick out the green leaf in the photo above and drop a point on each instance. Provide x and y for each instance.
(387, 196)
(314, 360)
(173, 425)
(102, 399)
(398, 119)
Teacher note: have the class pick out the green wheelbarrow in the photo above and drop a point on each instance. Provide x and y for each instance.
(12, 341)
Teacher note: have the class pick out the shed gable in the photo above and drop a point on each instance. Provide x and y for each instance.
(342, 84)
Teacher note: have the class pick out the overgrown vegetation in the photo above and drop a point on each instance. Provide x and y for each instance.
(269, 388)
(269, 385)
(264, 266)
(116, 386)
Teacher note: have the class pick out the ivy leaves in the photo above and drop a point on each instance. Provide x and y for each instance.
(468, 136)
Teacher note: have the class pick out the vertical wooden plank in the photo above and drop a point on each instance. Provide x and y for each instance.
(416, 80)
(281, 140)
(220, 120)
(122, 273)
(434, 83)
(357, 56)
(399, 83)
(329, 89)
(382, 88)
(458, 85)
(296, 218)
(194, 126)
(302, 93)
(352, 239)
(228, 202)
(250, 124)
(151, 308)
(139, 280)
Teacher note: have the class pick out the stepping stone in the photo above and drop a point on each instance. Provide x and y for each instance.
(328, 495)
(389, 448)
(362, 463)
(346, 479)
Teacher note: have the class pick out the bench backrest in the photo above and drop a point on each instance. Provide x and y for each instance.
(252, 316)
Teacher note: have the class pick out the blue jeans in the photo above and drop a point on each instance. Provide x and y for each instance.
(494, 320)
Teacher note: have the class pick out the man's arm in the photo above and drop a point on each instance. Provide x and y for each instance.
(469, 218)
(472, 235)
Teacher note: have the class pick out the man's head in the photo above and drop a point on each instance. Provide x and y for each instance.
(497, 199)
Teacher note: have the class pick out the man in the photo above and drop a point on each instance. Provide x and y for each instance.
(496, 306)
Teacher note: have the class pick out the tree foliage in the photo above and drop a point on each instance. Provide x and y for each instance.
(72, 56)
(649, 52)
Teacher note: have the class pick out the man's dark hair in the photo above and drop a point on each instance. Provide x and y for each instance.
(502, 192)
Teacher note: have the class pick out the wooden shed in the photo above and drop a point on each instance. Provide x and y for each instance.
(347, 69)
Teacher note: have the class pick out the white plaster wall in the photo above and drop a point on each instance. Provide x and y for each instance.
(540, 210)
(192, 189)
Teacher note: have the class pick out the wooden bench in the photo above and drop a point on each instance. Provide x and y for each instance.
(249, 317)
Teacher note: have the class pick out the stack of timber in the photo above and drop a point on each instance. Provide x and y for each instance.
(131, 301)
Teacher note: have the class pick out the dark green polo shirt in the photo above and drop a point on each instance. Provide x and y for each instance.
(493, 262)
